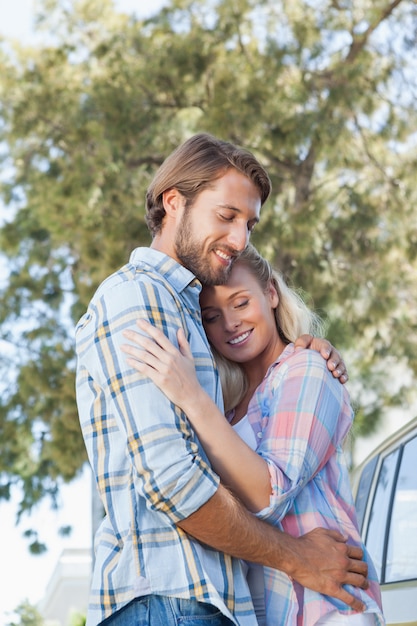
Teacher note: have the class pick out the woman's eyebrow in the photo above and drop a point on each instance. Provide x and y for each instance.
(232, 295)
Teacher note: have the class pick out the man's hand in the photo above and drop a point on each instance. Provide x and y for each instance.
(320, 559)
(334, 359)
(324, 562)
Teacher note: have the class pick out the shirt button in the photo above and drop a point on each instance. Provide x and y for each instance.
(259, 435)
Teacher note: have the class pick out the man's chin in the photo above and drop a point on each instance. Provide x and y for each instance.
(214, 278)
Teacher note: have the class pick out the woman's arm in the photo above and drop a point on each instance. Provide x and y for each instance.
(240, 468)
(309, 415)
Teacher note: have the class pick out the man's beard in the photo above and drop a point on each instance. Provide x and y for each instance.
(189, 252)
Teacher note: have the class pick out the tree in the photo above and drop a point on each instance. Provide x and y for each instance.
(323, 92)
(28, 615)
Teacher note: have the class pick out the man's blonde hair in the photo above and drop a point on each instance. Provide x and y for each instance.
(193, 167)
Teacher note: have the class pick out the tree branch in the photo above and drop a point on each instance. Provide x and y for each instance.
(360, 41)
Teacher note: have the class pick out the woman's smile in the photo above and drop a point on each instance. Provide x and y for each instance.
(240, 338)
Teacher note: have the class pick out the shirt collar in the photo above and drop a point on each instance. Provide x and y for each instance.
(287, 352)
(176, 274)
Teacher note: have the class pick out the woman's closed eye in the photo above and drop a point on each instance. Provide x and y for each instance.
(209, 319)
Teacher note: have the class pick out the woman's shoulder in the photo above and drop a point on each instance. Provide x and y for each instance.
(293, 357)
(299, 362)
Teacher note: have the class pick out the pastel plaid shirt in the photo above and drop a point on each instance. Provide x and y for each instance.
(150, 469)
(300, 415)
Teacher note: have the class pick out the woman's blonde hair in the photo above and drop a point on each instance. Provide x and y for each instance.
(292, 316)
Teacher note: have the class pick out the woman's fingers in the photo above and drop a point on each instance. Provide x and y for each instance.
(156, 351)
(183, 344)
(156, 334)
(159, 340)
(140, 357)
(140, 345)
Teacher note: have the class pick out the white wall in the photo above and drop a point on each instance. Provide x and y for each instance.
(68, 589)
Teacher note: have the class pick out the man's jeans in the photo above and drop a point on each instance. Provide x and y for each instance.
(155, 610)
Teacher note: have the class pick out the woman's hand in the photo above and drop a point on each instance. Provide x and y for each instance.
(154, 356)
(334, 359)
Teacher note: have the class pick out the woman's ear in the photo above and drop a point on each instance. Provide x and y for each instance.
(273, 295)
(174, 202)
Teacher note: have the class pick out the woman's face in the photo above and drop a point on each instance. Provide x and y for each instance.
(238, 317)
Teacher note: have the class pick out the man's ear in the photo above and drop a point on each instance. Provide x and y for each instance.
(173, 202)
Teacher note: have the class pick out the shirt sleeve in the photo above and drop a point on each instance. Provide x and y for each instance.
(129, 424)
(306, 416)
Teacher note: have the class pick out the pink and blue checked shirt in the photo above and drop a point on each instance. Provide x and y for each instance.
(151, 471)
(300, 415)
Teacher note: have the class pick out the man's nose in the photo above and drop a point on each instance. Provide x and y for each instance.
(238, 237)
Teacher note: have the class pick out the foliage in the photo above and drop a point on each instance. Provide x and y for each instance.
(78, 620)
(27, 615)
(321, 91)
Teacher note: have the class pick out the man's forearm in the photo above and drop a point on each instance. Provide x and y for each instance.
(320, 560)
(224, 524)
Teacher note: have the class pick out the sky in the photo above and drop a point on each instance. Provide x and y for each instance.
(23, 576)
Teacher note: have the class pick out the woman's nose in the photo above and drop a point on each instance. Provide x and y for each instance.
(232, 323)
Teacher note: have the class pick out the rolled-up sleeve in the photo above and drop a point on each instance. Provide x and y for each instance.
(306, 416)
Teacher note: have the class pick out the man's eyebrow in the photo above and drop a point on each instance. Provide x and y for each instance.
(229, 206)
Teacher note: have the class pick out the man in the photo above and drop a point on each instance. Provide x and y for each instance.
(167, 546)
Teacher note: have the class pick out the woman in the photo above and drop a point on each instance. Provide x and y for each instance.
(282, 403)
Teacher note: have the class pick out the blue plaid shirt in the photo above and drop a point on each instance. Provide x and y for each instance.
(150, 469)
